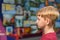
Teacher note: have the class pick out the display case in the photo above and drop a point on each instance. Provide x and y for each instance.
(22, 15)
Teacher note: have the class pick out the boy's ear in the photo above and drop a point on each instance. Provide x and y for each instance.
(47, 20)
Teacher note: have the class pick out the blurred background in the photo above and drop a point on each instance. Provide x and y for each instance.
(19, 16)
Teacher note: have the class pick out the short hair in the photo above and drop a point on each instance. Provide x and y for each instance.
(50, 12)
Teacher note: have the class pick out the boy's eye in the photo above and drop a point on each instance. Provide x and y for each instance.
(38, 15)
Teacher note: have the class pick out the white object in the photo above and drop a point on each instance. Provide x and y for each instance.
(9, 1)
(2, 34)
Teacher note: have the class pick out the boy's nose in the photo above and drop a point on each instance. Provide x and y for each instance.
(36, 21)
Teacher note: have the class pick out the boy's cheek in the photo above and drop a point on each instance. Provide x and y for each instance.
(41, 25)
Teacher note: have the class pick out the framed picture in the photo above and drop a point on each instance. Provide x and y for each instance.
(9, 30)
(8, 9)
(19, 20)
(34, 29)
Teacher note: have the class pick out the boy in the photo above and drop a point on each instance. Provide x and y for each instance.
(46, 18)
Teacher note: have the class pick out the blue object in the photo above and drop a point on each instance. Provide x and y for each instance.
(9, 29)
(57, 24)
(58, 1)
(1, 16)
(10, 38)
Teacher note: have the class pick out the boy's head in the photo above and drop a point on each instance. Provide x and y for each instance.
(47, 16)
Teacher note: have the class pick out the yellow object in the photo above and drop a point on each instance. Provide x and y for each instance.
(8, 7)
(4, 21)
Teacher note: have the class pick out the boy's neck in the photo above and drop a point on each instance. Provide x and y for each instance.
(48, 29)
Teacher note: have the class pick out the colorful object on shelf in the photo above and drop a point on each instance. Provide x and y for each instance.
(33, 18)
(19, 9)
(9, 30)
(26, 23)
(27, 14)
(7, 19)
(34, 29)
(27, 30)
(12, 20)
(16, 36)
(8, 9)
(19, 20)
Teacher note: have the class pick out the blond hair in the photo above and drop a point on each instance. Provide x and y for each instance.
(50, 12)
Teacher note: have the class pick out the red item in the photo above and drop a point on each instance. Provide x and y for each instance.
(49, 36)
(15, 36)
(12, 20)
